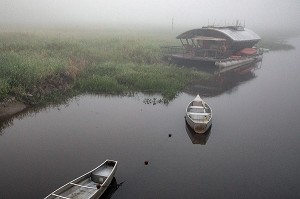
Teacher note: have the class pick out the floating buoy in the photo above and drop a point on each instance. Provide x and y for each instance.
(170, 135)
(146, 162)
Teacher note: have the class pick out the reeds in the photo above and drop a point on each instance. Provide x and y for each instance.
(4, 88)
(116, 78)
(37, 66)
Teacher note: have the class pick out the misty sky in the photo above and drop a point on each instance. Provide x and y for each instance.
(191, 12)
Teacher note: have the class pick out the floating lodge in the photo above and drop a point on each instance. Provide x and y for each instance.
(222, 47)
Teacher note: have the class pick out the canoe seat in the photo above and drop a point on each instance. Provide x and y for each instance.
(98, 178)
(204, 117)
(197, 103)
(196, 117)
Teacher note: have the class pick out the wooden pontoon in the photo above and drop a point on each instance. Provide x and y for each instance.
(216, 46)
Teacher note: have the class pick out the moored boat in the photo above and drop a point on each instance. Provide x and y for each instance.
(215, 47)
(88, 186)
(198, 115)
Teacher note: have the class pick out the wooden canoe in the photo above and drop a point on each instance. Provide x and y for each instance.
(198, 115)
(88, 186)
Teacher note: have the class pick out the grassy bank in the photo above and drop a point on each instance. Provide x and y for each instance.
(131, 77)
(41, 67)
(44, 66)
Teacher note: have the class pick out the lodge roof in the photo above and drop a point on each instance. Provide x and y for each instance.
(235, 33)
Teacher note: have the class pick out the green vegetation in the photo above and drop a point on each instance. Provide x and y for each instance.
(132, 77)
(42, 67)
(4, 86)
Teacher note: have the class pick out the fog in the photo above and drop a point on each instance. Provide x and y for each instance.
(266, 14)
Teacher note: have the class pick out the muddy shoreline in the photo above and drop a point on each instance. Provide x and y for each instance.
(9, 109)
(12, 107)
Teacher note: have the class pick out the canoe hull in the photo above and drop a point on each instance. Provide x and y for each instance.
(198, 115)
(84, 187)
(198, 127)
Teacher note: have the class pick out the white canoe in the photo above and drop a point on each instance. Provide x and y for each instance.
(88, 186)
(198, 115)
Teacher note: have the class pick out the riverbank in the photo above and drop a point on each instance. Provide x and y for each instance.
(44, 67)
(10, 108)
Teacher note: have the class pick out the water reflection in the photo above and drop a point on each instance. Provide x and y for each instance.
(224, 80)
(63, 143)
(113, 186)
(197, 138)
(6, 122)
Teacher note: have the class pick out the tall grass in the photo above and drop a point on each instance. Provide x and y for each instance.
(116, 78)
(4, 88)
(36, 66)
(27, 70)
(40, 66)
